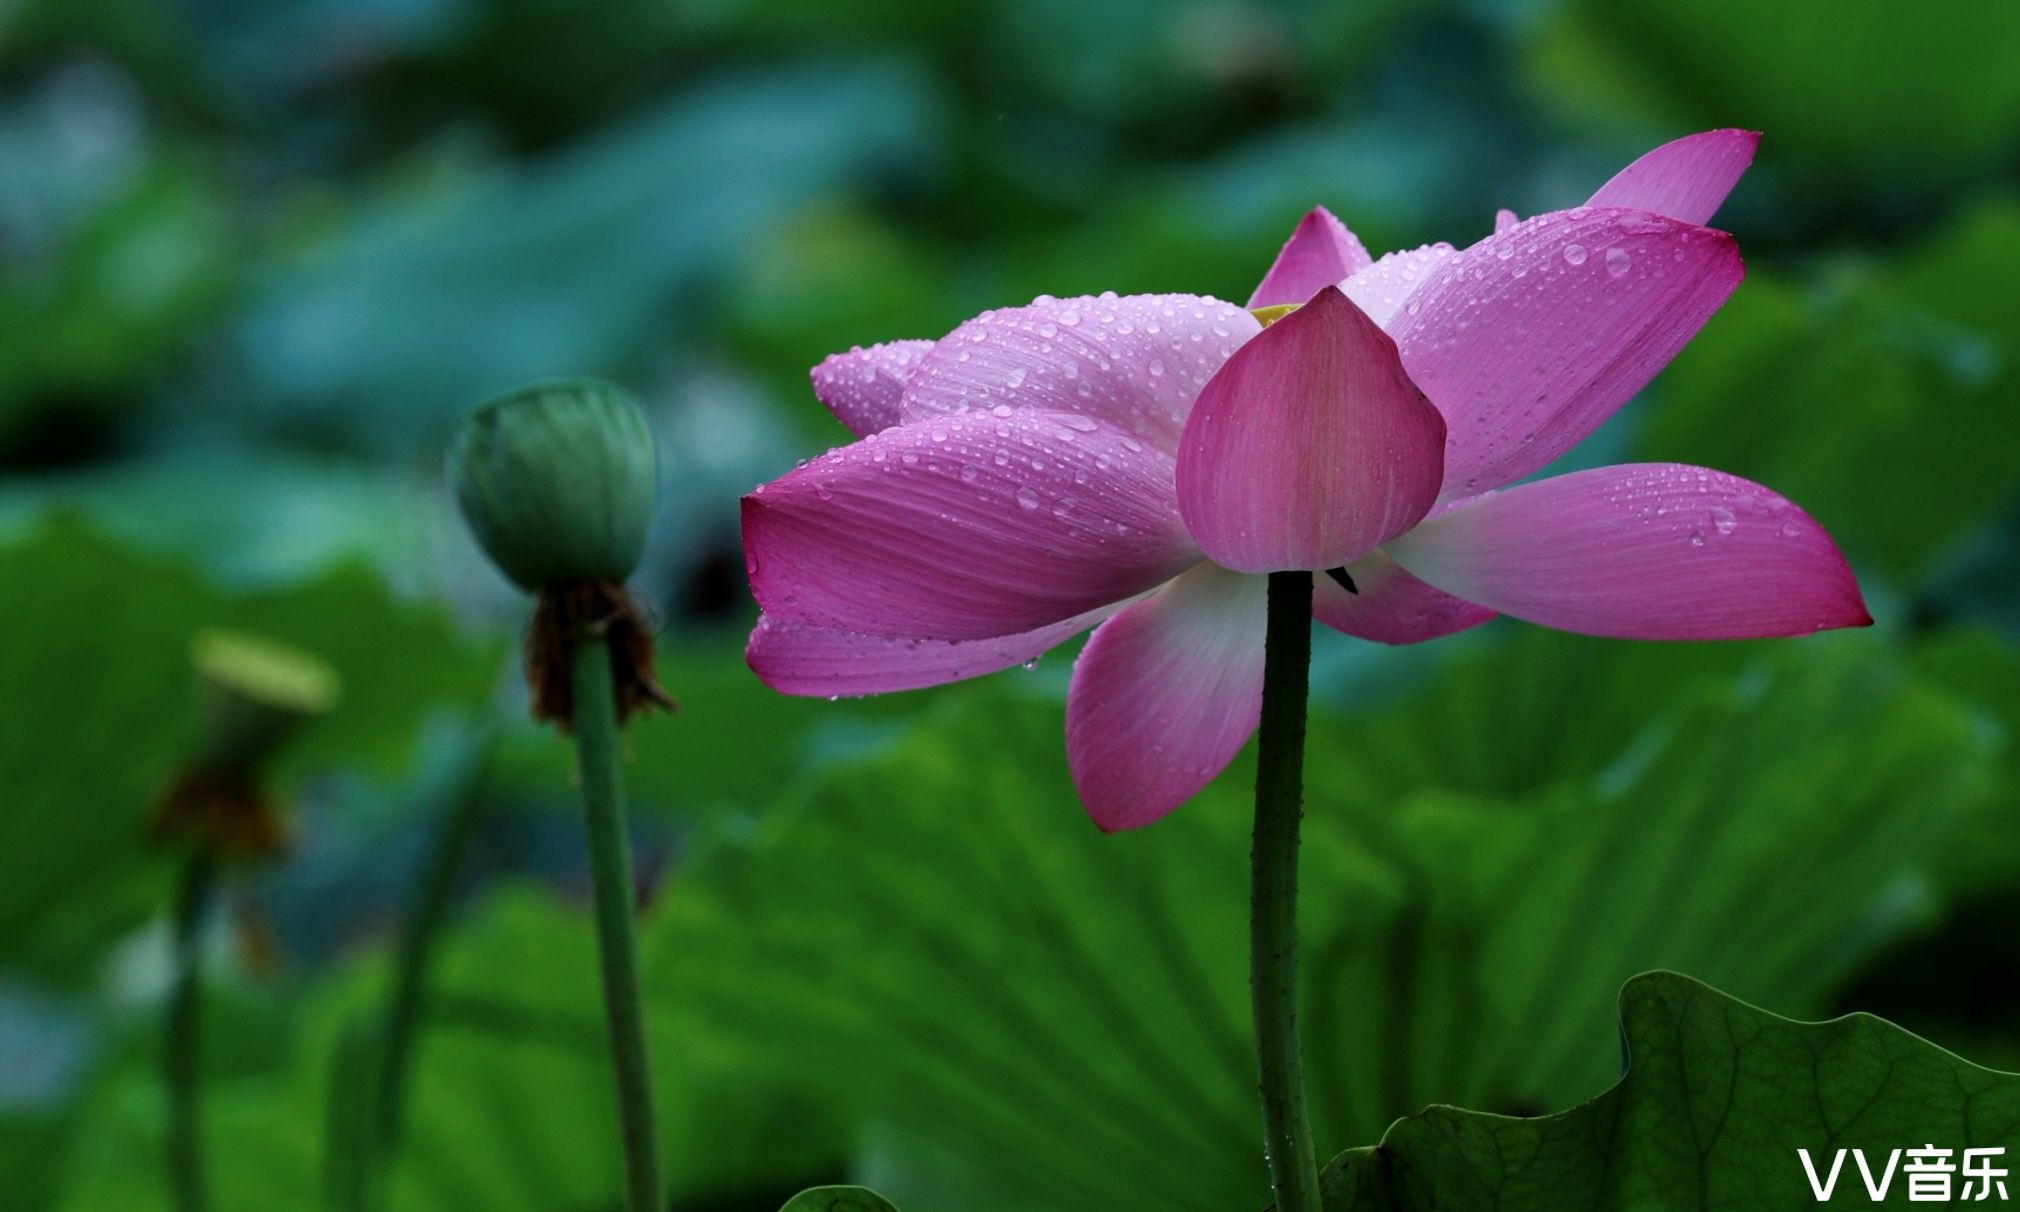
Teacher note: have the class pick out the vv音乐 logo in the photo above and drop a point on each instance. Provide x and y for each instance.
(1931, 1177)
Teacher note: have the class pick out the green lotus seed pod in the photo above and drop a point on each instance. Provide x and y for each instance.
(556, 481)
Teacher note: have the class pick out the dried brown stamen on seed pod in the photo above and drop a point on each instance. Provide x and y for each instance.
(562, 615)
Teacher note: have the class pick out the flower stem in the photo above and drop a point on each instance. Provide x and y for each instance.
(179, 1052)
(461, 812)
(595, 727)
(1273, 897)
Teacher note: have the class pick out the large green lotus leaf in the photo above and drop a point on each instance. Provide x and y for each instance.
(132, 275)
(510, 1106)
(96, 699)
(1941, 982)
(1980, 582)
(1132, 65)
(425, 305)
(1851, 89)
(258, 515)
(1716, 1099)
(1677, 856)
(1985, 670)
(1519, 711)
(1877, 399)
(29, 1147)
(1031, 1015)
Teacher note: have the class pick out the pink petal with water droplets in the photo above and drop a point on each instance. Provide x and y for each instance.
(1529, 339)
(1382, 289)
(1391, 606)
(798, 658)
(966, 527)
(862, 387)
(1165, 694)
(1649, 551)
(1309, 447)
(1320, 252)
(1135, 362)
(1686, 178)
(1504, 219)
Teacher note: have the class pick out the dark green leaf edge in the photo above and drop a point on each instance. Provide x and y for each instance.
(839, 1199)
(1705, 1116)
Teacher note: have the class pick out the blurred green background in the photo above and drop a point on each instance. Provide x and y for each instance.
(255, 257)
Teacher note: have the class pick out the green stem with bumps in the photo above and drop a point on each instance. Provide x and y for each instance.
(595, 728)
(1273, 897)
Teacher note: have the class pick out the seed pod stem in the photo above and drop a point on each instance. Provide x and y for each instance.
(595, 725)
(179, 1044)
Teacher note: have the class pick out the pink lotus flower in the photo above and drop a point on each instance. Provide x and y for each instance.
(1135, 464)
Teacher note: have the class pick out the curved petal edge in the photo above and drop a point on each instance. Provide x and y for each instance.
(1646, 551)
(1531, 338)
(802, 659)
(1321, 252)
(1684, 179)
(1165, 694)
(862, 387)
